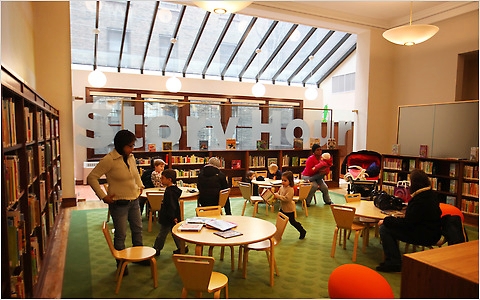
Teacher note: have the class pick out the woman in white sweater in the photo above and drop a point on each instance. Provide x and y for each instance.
(124, 188)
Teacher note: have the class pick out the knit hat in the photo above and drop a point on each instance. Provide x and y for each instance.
(326, 155)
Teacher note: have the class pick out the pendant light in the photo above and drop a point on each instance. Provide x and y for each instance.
(97, 78)
(258, 89)
(311, 93)
(409, 35)
(222, 7)
(173, 84)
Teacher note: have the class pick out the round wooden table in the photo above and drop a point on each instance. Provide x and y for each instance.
(253, 230)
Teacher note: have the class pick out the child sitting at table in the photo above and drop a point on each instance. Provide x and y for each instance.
(248, 178)
(285, 195)
(159, 165)
(274, 173)
(169, 214)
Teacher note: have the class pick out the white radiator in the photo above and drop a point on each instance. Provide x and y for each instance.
(87, 168)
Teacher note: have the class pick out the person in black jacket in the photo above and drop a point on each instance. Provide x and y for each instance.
(210, 181)
(169, 214)
(420, 226)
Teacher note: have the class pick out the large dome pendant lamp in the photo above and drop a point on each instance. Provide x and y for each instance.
(409, 35)
(222, 7)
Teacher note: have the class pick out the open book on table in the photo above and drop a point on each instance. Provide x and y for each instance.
(228, 234)
(190, 227)
(198, 220)
(220, 224)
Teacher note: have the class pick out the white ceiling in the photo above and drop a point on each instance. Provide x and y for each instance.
(381, 14)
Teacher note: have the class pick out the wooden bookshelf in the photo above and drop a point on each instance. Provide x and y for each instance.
(455, 181)
(30, 186)
(189, 162)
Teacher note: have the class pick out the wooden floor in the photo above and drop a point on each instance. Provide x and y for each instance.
(51, 278)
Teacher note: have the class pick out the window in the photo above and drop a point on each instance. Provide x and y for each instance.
(286, 116)
(210, 111)
(244, 127)
(153, 109)
(343, 83)
(114, 44)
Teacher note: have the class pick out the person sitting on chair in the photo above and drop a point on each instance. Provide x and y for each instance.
(210, 181)
(312, 168)
(274, 173)
(420, 226)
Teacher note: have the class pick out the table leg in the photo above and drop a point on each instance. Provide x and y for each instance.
(181, 209)
(199, 250)
(272, 261)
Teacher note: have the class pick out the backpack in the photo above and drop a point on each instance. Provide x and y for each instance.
(452, 230)
(385, 201)
(147, 179)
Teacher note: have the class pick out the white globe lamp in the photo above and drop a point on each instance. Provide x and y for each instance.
(258, 89)
(174, 84)
(96, 78)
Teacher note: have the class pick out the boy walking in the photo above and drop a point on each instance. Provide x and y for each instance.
(169, 214)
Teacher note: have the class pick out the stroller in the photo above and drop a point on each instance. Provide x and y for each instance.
(361, 170)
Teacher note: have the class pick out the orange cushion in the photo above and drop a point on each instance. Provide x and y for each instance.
(350, 281)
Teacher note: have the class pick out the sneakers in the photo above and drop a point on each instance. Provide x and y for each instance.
(178, 251)
(388, 268)
(329, 203)
(302, 234)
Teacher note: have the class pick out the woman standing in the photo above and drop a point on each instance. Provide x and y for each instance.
(124, 188)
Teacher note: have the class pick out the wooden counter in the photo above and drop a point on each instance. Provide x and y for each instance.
(447, 272)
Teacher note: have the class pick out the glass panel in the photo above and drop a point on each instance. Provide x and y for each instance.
(244, 128)
(209, 110)
(138, 26)
(114, 104)
(286, 117)
(112, 18)
(81, 31)
(234, 33)
(248, 48)
(156, 109)
(162, 33)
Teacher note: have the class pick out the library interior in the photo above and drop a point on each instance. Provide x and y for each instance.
(239, 88)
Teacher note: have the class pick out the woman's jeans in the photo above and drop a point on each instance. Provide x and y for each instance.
(122, 211)
(315, 184)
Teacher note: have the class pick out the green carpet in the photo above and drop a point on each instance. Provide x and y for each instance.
(304, 265)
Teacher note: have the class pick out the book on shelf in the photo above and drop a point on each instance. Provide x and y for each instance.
(314, 141)
(190, 227)
(474, 153)
(267, 196)
(294, 161)
(167, 146)
(423, 151)
(228, 234)
(262, 145)
(271, 160)
(152, 147)
(220, 224)
(231, 144)
(298, 143)
(203, 145)
(303, 161)
(236, 163)
(236, 181)
(396, 149)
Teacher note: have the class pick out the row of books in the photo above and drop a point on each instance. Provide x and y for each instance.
(12, 178)
(427, 167)
(187, 173)
(9, 130)
(192, 159)
(390, 177)
(16, 237)
(470, 172)
(470, 189)
(469, 206)
(293, 161)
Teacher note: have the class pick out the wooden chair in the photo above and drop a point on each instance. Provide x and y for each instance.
(368, 222)
(281, 224)
(223, 197)
(215, 211)
(362, 282)
(197, 275)
(262, 173)
(154, 200)
(344, 216)
(128, 255)
(246, 190)
(303, 190)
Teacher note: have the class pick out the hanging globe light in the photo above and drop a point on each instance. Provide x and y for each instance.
(258, 89)
(174, 84)
(311, 93)
(96, 78)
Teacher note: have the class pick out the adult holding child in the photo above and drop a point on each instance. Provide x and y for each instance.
(210, 182)
(315, 170)
(124, 188)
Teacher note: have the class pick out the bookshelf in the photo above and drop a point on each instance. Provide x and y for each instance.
(454, 180)
(31, 184)
(235, 163)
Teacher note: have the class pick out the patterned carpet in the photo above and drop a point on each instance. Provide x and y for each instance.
(304, 265)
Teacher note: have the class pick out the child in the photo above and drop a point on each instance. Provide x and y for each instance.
(159, 165)
(322, 168)
(169, 214)
(274, 173)
(285, 195)
(248, 178)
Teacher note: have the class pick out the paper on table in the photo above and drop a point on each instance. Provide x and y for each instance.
(190, 227)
